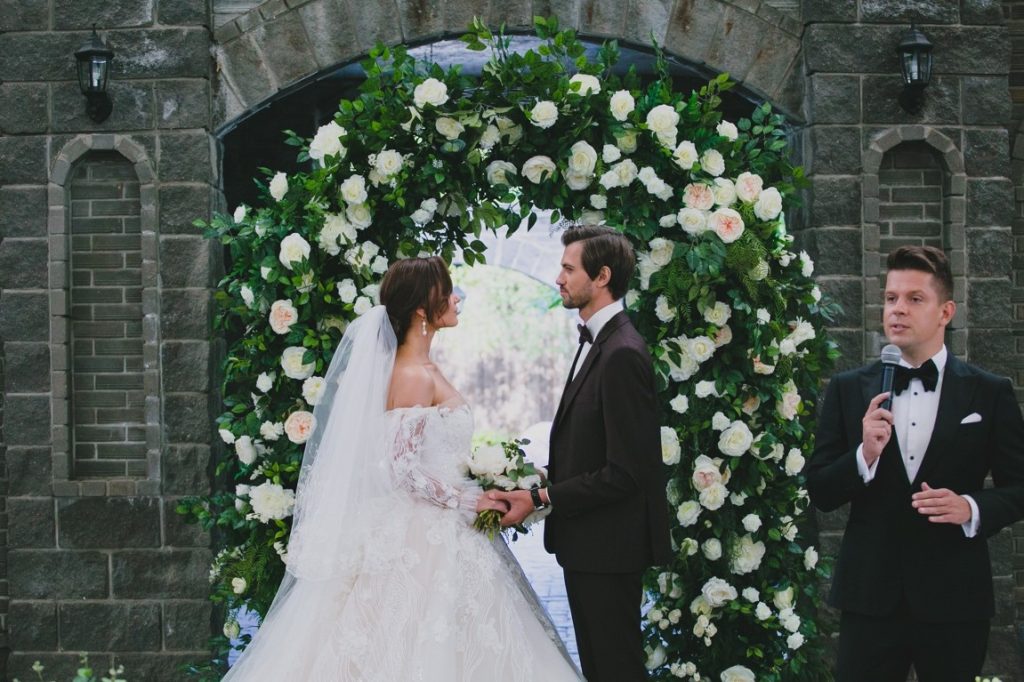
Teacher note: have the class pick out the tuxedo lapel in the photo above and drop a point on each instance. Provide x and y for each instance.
(573, 388)
(956, 393)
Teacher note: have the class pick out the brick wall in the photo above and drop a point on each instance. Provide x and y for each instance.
(910, 197)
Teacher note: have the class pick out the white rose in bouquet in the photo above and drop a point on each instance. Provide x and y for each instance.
(582, 158)
(806, 264)
(794, 462)
(313, 390)
(578, 182)
(795, 641)
(499, 172)
(769, 204)
(663, 310)
(746, 555)
(751, 594)
(538, 168)
(662, 121)
(490, 137)
(265, 381)
(714, 496)
(706, 473)
(488, 460)
(801, 331)
(387, 163)
(327, 142)
(372, 292)
(294, 249)
(728, 130)
(238, 585)
(622, 105)
(727, 224)
(291, 363)
(680, 404)
(248, 297)
(239, 214)
(232, 630)
(699, 196)
(738, 673)
(627, 141)
(359, 215)
(762, 611)
(271, 502)
(685, 155)
(278, 186)
(430, 91)
(353, 189)
(688, 512)
(783, 599)
(661, 251)
(544, 114)
(610, 153)
(712, 549)
(347, 290)
(692, 221)
(705, 388)
(656, 657)
(751, 523)
(712, 162)
(271, 430)
(718, 314)
(719, 422)
(748, 187)
(245, 450)
(425, 213)
(379, 265)
(599, 201)
(670, 450)
(735, 440)
(810, 558)
(282, 316)
(682, 370)
(688, 547)
(701, 348)
(449, 128)
(718, 592)
(588, 85)
(724, 191)
(226, 436)
(299, 425)
(336, 232)
(362, 305)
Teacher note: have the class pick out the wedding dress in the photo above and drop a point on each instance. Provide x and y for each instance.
(412, 593)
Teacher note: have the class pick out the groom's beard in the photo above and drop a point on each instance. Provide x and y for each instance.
(576, 302)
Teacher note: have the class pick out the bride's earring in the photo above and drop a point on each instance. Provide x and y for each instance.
(423, 326)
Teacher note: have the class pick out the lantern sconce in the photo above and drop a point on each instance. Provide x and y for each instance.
(915, 54)
(94, 59)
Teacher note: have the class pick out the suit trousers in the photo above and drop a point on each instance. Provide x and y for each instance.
(605, 611)
(883, 648)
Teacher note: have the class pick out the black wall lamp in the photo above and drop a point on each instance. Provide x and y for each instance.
(915, 53)
(94, 59)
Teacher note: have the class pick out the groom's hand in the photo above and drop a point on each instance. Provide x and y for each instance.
(520, 506)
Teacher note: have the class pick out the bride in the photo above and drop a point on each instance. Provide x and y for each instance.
(386, 578)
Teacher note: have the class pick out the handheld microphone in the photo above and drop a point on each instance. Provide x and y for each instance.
(891, 356)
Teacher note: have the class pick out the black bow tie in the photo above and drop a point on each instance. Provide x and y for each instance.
(928, 373)
(585, 335)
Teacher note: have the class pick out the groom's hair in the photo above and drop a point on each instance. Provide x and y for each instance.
(413, 283)
(925, 259)
(603, 246)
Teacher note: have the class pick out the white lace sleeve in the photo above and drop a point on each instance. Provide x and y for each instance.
(411, 473)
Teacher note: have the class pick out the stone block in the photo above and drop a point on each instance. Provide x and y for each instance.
(23, 108)
(907, 11)
(992, 349)
(74, 14)
(988, 304)
(186, 261)
(161, 574)
(110, 627)
(33, 626)
(987, 152)
(185, 157)
(763, 69)
(27, 419)
(605, 17)
(981, 12)
(374, 22)
(186, 366)
(187, 418)
(184, 12)
(330, 32)
(834, 151)
(1003, 654)
(187, 625)
(834, 99)
(178, 531)
(29, 470)
(851, 348)
(26, 367)
(881, 101)
(132, 103)
(989, 252)
(22, 212)
(24, 15)
(39, 56)
(836, 251)
(161, 53)
(970, 49)
(817, 11)
(30, 523)
(834, 201)
(183, 103)
(58, 666)
(181, 205)
(641, 20)
(24, 159)
(49, 574)
(989, 202)
(835, 48)
(185, 313)
(285, 48)
(109, 522)
(242, 63)
(986, 100)
(23, 264)
(185, 470)
(163, 667)
(848, 293)
(694, 28)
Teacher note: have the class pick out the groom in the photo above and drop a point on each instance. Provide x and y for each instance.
(609, 515)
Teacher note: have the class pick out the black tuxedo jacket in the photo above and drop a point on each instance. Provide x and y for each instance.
(607, 490)
(891, 552)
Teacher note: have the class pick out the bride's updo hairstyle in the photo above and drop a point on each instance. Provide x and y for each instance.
(413, 283)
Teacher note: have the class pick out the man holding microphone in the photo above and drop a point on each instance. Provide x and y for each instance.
(913, 578)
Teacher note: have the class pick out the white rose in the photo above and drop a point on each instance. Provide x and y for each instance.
(379, 265)
(735, 440)
(718, 314)
(688, 512)
(282, 316)
(762, 611)
(718, 592)
(746, 555)
(661, 251)
(226, 436)
(488, 460)
(692, 221)
(245, 450)
(291, 363)
(544, 114)
(271, 430)
(719, 422)
(270, 502)
(670, 450)
(240, 212)
(238, 585)
(685, 154)
(247, 296)
(538, 168)
(327, 142)
(689, 547)
(727, 224)
(712, 549)
(430, 91)
(299, 425)
(499, 172)
(610, 153)
(685, 368)
(336, 231)
(794, 462)
(712, 162)
(789, 404)
(680, 403)
(810, 558)
(279, 186)
(589, 85)
(353, 189)
(815, 293)
(449, 127)
(751, 522)
(751, 594)
(362, 305)
(705, 389)
(582, 158)
(727, 130)
(622, 105)
(738, 673)
(359, 215)
(795, 640)
(705, 473)
(388, 163)
(655, 657)
(724, 191)
(490, 137)
(294, 249)
(806, 264)
(714, 496)
(723, 336)
(663, 310)
(347, 290)
(372, 292)
(699, 196)
(769, 204)
(783, 599)
(265, 272)
(662, 120)
(701, 348)
(232, 629)
(265, 381)
(313, 390)
(627, 141)
(748, 187)
(599, 201)
(578, 182)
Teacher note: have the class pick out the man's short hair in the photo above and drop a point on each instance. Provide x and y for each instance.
(603, 246)
(925, 259)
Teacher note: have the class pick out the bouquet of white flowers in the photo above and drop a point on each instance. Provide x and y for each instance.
(504, 467)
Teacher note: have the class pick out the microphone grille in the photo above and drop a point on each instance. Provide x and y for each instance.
(891, 354)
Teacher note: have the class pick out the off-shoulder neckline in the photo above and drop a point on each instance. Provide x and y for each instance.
(451, 405)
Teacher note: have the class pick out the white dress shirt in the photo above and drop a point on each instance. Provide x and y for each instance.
(595, 324)
(913, 412)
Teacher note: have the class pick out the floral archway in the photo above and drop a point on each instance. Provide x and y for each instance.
(424, 160)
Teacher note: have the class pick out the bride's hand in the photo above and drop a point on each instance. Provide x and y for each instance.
(489, 501)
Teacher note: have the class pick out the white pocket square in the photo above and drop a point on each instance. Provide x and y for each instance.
(972, 418)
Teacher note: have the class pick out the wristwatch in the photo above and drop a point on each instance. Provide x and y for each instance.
(538, 503)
